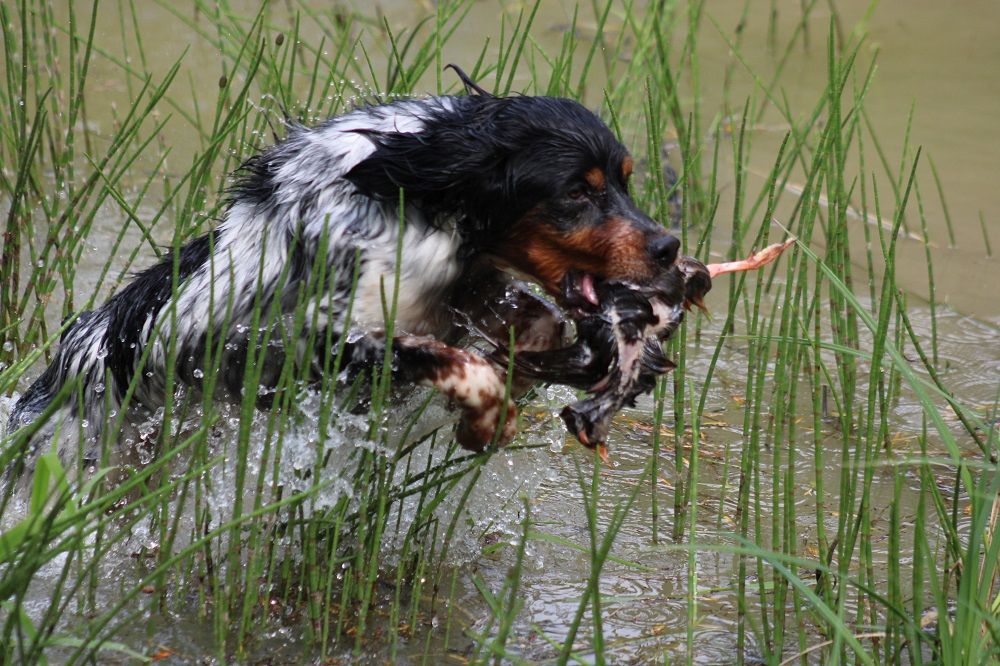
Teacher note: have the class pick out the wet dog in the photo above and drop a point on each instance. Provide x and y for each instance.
(446, 202)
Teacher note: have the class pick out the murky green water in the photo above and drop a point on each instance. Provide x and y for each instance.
(943, 60)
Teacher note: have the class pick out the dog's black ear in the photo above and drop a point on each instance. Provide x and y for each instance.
(470, 85)
(448, 169)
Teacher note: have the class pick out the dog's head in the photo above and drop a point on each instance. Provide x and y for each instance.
(575, 223)
(537, 184)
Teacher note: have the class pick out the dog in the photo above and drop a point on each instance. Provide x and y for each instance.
(448, 202)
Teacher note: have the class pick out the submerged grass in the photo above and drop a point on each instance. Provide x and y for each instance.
(351, 532)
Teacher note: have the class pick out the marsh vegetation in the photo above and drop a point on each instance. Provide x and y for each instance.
(816, 482)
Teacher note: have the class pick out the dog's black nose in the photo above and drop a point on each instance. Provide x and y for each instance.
(664, 249)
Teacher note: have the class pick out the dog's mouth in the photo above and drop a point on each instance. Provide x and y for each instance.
(579, 293)
(584, 294)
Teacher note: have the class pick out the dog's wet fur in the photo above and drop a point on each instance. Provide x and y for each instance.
(494, 189)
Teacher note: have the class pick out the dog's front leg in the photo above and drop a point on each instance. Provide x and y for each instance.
(470, 381)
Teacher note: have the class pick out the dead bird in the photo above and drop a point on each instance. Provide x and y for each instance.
(618, 353)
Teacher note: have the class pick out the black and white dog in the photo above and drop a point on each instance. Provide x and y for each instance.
(494, 188)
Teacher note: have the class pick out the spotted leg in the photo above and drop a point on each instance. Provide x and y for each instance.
(470, 381)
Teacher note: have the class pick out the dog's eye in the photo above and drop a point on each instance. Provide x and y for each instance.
(578, 194)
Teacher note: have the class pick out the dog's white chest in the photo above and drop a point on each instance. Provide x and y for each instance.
(427, 272)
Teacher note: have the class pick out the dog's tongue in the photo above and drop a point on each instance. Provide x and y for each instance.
(579, 290)
(587, 289)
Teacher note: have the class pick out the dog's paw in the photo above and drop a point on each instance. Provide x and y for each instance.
(478, 427)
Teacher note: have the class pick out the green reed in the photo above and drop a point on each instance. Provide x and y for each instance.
(986, 236)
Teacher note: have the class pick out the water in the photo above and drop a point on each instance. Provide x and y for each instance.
(645, 607)
(931, 55)
(646, 614)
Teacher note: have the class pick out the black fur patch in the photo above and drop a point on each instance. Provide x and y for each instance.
(489, 160)
(129, 309)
